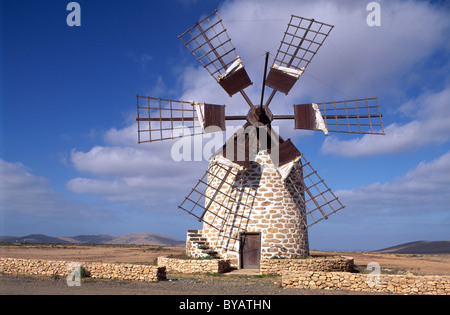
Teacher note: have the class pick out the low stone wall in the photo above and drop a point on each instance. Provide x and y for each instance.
(278, 266)
(194, 265)
(92, 269)
(401, 284)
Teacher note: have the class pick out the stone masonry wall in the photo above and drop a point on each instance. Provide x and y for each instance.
(278, 266)
(401, 284)
(194, 265)
(93, 269)
(193, 244)
(272, 210)
(192, 249)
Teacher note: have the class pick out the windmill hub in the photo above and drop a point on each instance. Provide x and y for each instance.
(259, 116)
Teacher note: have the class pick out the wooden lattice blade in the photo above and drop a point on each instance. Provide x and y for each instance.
(360, 116)
(209, 42)
(318, 199)
(161, 119)
(219, 194)
(301, 42)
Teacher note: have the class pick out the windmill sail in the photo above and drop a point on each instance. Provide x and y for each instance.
(209, 42)
(161, 119)
(304, 182)
(300, 44)
(360, 116)
(219, 194)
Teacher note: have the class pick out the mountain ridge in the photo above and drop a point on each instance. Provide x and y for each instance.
(126, 239)
(418, 247)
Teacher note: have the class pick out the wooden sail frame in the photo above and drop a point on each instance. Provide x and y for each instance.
(358, 116)
(227, 191)
(165, 119)
(300, 44)
(211, 45)
(316, 196)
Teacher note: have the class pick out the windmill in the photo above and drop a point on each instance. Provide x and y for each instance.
(259, 195)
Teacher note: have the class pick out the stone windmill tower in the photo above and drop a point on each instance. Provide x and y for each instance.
(260, 195)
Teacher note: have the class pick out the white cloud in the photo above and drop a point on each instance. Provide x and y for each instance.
(123, 137)
(423, 190)
(154, 194)
(114, 161)
(26, 194)
(429, 126)
(146, 176)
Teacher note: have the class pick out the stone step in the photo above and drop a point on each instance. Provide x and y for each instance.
(244, 272)
(198, 239)
(201, 243)
(194, 231)
(215, 256)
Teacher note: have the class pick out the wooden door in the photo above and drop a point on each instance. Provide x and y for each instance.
(250, 250)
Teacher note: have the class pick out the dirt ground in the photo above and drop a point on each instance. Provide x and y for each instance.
(185, 284)
(89, 253)
(177, 285)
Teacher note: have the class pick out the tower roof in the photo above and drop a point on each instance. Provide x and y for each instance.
(243, 146)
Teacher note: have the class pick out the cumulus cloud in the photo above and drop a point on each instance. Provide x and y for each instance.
(146, 176)
(102, 160)
(429, 125)
(423, 190)
(26, 194)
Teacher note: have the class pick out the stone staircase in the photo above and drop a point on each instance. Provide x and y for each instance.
(199, 246)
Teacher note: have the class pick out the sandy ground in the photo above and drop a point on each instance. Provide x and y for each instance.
(89, 253)
(184, 284)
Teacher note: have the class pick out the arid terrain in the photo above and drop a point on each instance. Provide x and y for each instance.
(186, 284)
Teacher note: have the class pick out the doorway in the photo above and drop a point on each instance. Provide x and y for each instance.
(250, 250)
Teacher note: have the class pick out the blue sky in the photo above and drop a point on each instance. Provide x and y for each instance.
(70, 162)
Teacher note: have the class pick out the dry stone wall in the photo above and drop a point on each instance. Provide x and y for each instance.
(92, 269)
(401, 284)
(193, 250)
(278, 266)
(194, 265)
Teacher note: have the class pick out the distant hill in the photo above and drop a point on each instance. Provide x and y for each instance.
(420, 247)
(127, 239)
(34, 239)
